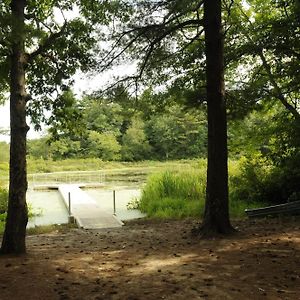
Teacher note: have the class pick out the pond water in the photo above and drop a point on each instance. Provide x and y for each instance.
(51, 209)
(104, 199)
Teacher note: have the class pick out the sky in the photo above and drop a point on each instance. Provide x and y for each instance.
(5, 120)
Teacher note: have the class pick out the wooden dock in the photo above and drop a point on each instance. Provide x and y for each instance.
(85, 210)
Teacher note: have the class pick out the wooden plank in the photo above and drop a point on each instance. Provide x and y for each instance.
(85, 210)
(285, 208)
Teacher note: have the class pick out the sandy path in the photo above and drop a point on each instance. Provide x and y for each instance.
(158, 260)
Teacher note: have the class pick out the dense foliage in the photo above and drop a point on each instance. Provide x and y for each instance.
(270, 168)
(114, 131)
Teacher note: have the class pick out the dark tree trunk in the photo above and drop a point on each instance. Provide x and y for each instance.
(216, 215)
(17, 216)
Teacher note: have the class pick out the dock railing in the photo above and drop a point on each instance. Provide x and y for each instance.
(66, 177)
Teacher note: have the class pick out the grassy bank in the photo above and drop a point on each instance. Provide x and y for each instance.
(41, 166)
(93, 164)
(176, 189)
(179, 194)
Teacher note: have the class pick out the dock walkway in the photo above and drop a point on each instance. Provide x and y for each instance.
(85, 210)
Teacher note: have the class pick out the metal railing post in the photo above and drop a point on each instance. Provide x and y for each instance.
(71, 218)
(69, 203)
(114, 201)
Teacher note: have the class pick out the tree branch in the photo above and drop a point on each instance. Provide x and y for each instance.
(278, 92)
(46, 44)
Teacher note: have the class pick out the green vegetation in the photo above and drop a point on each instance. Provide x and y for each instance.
(3, 207)
(2, 222)
(174, 194)
(4, 159)
(3, 200)
(72, 164)
(120, 132)
(179, 194)
(96, 164)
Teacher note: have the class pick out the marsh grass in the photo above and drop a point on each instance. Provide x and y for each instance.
(181, 193)
(174, 193)
(2, 222)
(94, 164)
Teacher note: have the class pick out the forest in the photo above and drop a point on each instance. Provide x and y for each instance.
(212, 85)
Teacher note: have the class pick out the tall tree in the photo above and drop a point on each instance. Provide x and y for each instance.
(14, 235)
(216, 215)
(172, 52)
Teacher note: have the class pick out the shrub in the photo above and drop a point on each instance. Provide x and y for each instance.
(247, 185)
(262, 181)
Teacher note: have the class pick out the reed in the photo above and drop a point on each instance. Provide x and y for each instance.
(179, 194)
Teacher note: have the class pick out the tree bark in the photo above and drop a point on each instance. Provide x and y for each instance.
(216, 214)
(17, 216)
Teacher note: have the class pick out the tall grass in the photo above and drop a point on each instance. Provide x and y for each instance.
(95, 164)
(181, 193)
(173, 194)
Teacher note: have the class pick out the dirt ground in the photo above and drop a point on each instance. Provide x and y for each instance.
(158, 260)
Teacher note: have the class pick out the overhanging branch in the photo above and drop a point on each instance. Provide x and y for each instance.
(47, 43)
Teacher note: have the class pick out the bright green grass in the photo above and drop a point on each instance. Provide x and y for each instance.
(90, 164)
(2, 222)
(179, 194)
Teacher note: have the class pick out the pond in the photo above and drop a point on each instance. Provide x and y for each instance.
(50, 208)
(126, 182)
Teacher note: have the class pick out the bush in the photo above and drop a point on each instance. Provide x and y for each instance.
(2, 222)
(248, 184)
(262, 181)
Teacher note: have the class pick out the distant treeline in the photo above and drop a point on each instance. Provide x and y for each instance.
(115, 131)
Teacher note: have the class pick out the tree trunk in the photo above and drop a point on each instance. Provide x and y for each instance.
(216, 215)
(17, 216)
